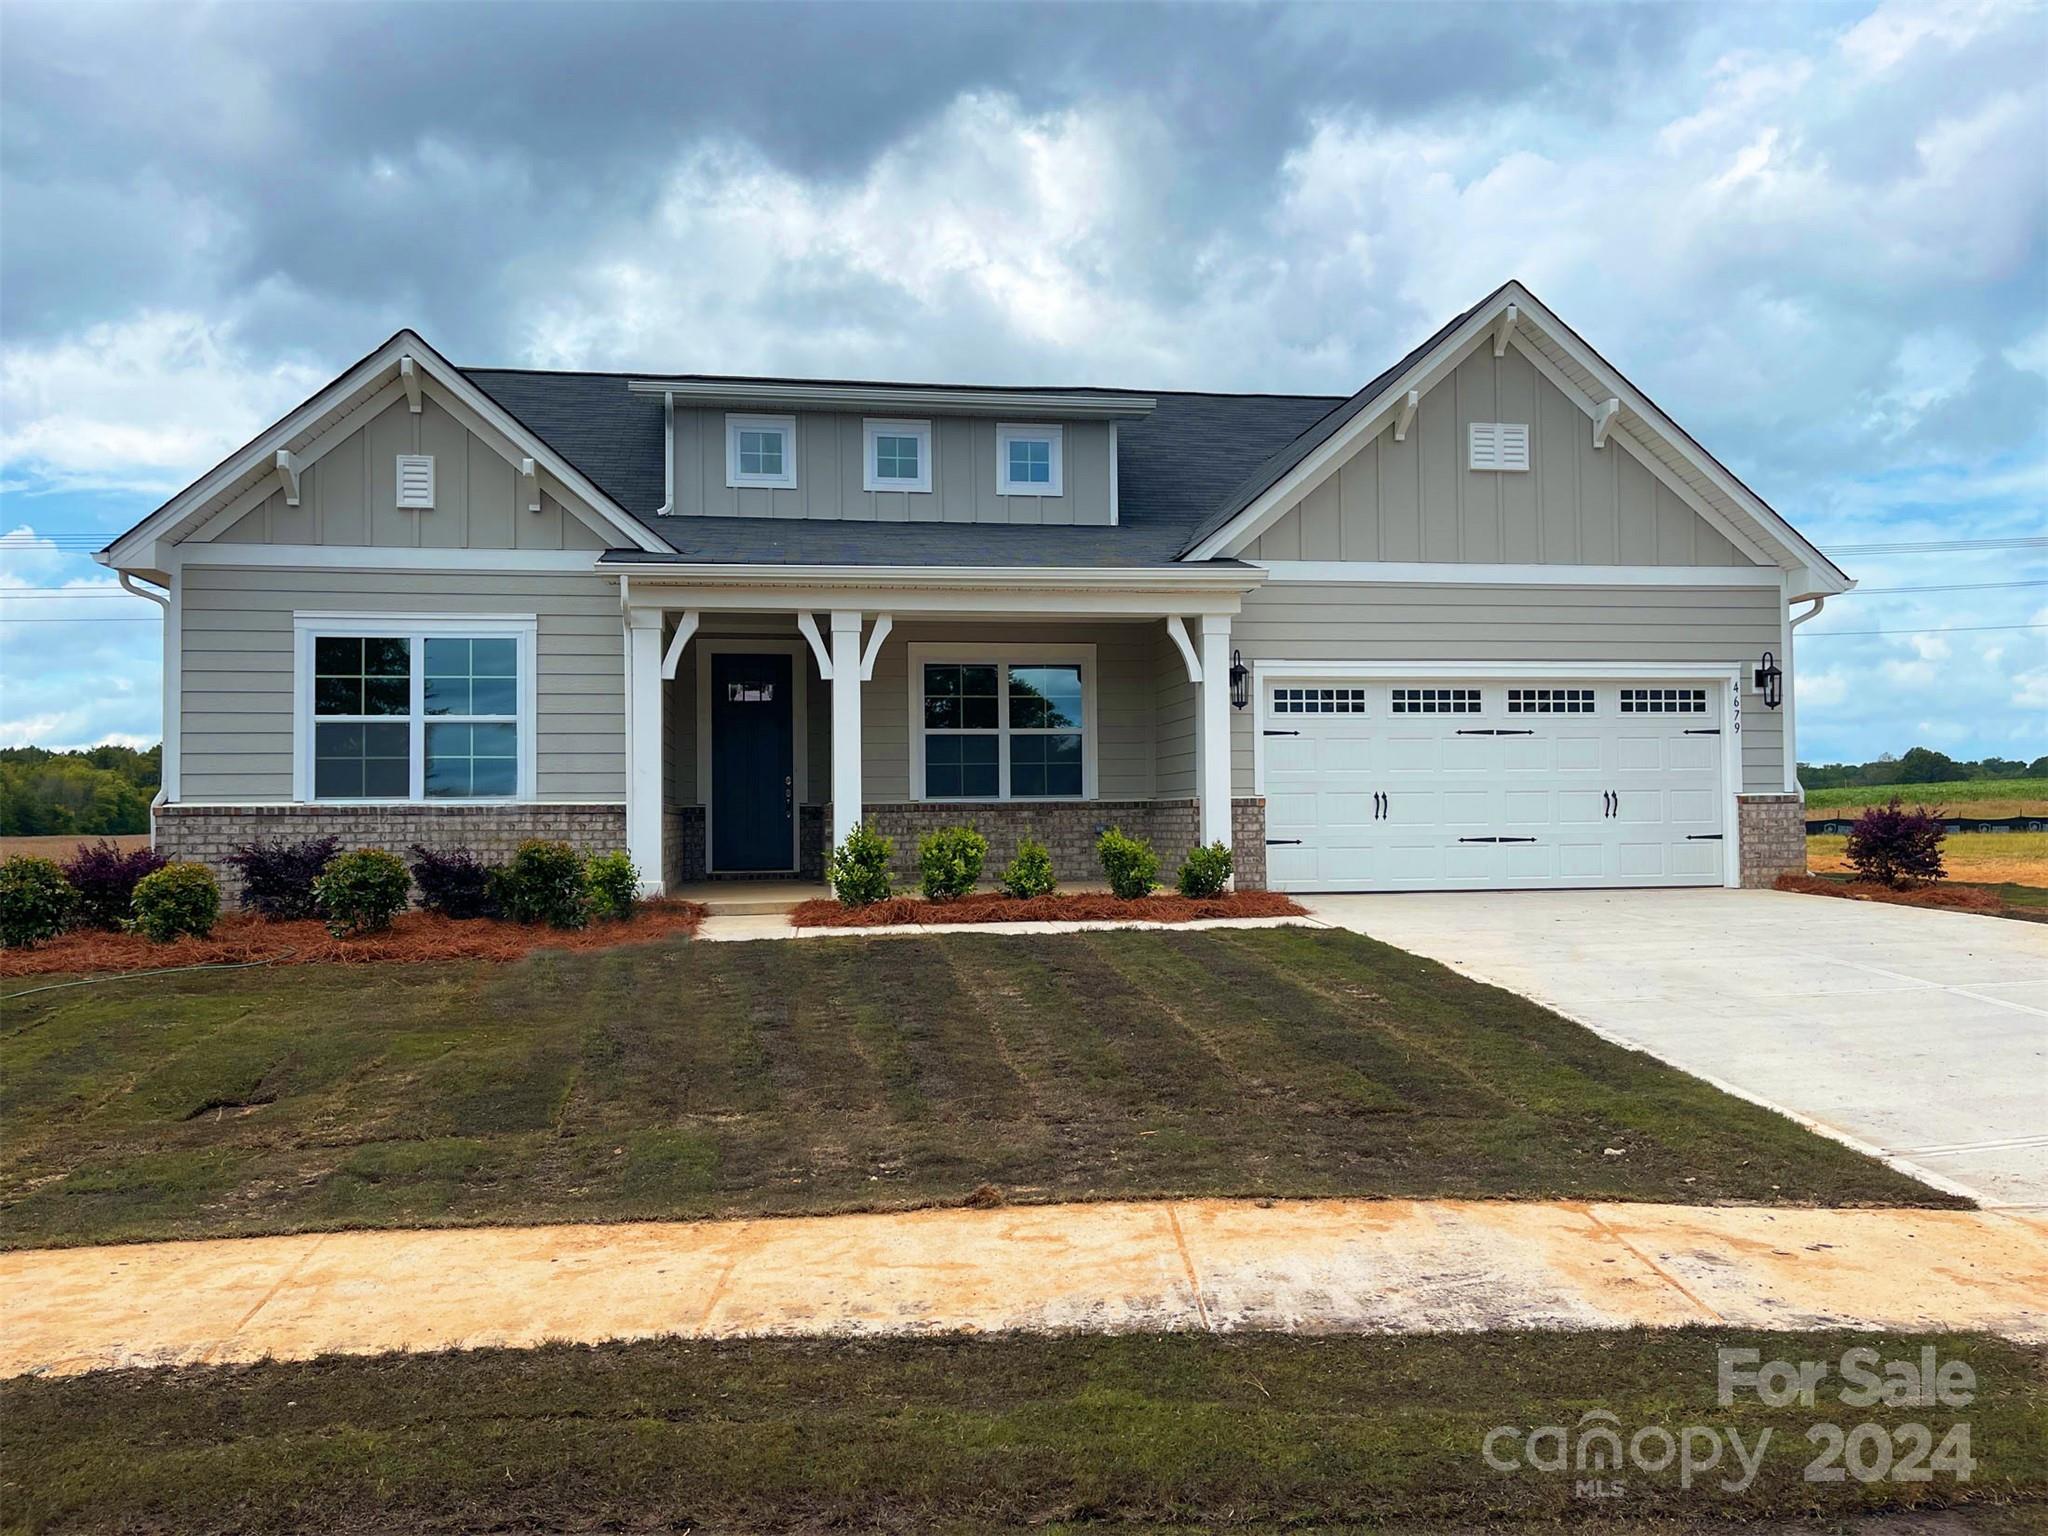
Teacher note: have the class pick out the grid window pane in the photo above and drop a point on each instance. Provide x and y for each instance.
(1045, 698)
(362, 676)
(362, 761)
(1030, 461)
(957, 767)
(895, 457)
(1318, 701)
(472, 677)
(466, 761)
(760, 451)
(1047, 764)
(1663, 701)
(1550, 701)
(1436, 701)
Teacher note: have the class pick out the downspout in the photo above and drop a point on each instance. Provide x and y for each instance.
(168, 750)
(1792, 622)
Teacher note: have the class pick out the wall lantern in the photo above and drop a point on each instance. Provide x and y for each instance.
(1240, 681)
(1770, 682)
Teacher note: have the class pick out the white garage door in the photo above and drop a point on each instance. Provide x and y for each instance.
(1490, 784)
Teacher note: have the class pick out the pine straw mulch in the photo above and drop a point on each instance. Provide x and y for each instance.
(243, 938)
(1953, 898)
(1079, 907)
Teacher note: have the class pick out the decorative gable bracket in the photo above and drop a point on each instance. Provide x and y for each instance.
(1603, 419)
(290, 466)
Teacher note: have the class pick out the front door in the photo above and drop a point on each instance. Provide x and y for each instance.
(753, 764)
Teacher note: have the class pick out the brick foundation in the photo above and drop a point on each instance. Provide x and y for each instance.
(1773, 837)
(811, 834)
(682, 844)
(207, 834)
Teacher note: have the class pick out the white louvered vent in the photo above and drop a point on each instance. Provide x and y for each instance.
(1500, 445)
(416, 480)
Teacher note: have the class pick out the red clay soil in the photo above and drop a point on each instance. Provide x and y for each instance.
(1090, 907)
(415, 936)
(1954, 898)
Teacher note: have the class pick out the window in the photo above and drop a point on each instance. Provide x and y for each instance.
(416, 481)
(1436, 701)
(1550, 701)
(1318, 701)
(1004, 730)
(898, 455)
(1500, 445)
(760, 450)
(1663, 701)
(422, 709)
(1030, 461)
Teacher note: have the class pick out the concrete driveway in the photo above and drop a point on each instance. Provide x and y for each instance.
(1920, 1035)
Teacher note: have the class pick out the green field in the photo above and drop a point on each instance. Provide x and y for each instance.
(1967, 797)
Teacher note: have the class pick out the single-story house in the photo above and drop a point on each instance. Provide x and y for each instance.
(1494, 620)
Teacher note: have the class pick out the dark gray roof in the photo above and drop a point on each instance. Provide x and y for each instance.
(1173, 467)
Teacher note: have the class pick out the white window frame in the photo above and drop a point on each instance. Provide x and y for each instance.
(1003, 658)
(871, 429)
(1008, 431)
(786, 425)
(522, 629)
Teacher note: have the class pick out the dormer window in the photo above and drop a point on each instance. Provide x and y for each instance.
(898, 455)
(1029, 461)
(760, 451)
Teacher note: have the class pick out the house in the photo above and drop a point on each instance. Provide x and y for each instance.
(1494, 620)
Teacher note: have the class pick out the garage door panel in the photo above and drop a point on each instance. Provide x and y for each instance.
(1639, 754)
(1580, 807)
(1529, 754)
(1581, 754)
(1692, 754)
(1293, 754)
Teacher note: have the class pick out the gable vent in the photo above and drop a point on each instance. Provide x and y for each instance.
(1500, 445)
(416, 480)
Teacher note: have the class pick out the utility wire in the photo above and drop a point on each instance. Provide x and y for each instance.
(1964, 586)
(1957, 629)
(1938, 546)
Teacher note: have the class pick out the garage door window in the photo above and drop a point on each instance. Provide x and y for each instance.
(1663, 701)
(1318, 701)
(1550, 701)
(1436, 701)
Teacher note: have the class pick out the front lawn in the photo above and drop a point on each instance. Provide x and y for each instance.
(1255, 1432)
(693, 1079)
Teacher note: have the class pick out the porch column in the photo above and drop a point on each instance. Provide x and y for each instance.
(846, 742)
(1213, 767)
(643, 746)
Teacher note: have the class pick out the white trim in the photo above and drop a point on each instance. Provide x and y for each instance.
(686, 626)
(1728, 677)
(1049, 432)
(1460, 574)
(668, 456)
(981, 654)
(523, 628)
(807, 626)
(1115, 515)
(849, 741)
(167, 755)
(799, 740)
(885, 399)
(409, 381)
(1212, 734)
(1177, 632)
(366, 557)
(1179, 577)
(873, 427)
(735, 477)
(646, 744)
(884, 622)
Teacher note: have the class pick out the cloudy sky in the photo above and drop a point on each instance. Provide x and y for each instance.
(1814, 234)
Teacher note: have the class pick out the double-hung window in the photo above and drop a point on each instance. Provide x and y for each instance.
(1030, 461)
(392, 708)
(760, 450)
(1004, 728)
(898, 455)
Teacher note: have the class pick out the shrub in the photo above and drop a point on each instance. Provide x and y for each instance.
(36, 901)
(104, 878)
(1895, 846)
(859, 870)
(949, 862)
(277, 876)
(179, 898)
(544, 883)
(1030, 873)
(1206, 871)
(1129, 862)
(455, 884)
(614, 885)
(361, 892)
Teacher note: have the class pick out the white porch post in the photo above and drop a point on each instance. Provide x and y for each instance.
(846, 741)
(1213, 769)
(643, 745)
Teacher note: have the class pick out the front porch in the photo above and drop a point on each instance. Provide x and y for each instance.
(763, 725)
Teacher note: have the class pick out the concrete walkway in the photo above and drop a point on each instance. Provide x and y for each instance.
(1323, 1266)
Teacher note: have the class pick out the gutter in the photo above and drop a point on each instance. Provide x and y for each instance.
(1232, 578)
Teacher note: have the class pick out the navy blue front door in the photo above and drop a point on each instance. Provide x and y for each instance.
(753, 793)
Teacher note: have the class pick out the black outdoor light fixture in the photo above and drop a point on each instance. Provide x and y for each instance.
(1770, 682)
(1240, 681)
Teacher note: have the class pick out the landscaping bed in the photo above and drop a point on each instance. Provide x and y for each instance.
(1070, 907)
(1948, 896)
(243, 938)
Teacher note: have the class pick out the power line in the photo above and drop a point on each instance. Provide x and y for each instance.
(94, 620)
(1962, 586)
(1938, 546)
(1957, 629)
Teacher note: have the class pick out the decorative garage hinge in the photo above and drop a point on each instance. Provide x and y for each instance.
(1703, 837)
(1496, 733)
(1283, 842)
(1496, 839)
(1282, 733)
(1711, 730)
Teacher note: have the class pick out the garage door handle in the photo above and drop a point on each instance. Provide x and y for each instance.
(1379, 805)
(1609, 802)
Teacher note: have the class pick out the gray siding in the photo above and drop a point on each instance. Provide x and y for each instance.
(1175, 713)
(1416, 501)
(829, 475)
(237, 696)
(1413, 623)
(349, 496)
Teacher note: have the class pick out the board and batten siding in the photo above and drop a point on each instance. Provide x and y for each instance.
(238, 700)
(829, 449)
(1635, 626)
(1415, 500)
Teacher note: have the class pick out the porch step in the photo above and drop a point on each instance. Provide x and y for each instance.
(752, 898)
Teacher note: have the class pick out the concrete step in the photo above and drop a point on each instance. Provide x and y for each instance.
(751, 898)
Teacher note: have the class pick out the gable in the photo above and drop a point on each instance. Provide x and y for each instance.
(1416, 499)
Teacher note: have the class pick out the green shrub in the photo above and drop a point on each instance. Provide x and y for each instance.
(1129, 862)
(1030, 873)
(859, 870)
(179, 898)
(949, 862)
(1206, 871)
(544, 883)
(36, 901)
(361, 892)
(614, 885)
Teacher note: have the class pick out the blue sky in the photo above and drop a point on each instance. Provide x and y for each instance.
(1817, 235)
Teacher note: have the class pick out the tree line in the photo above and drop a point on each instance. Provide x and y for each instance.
(94, 791)
(1918, 765)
